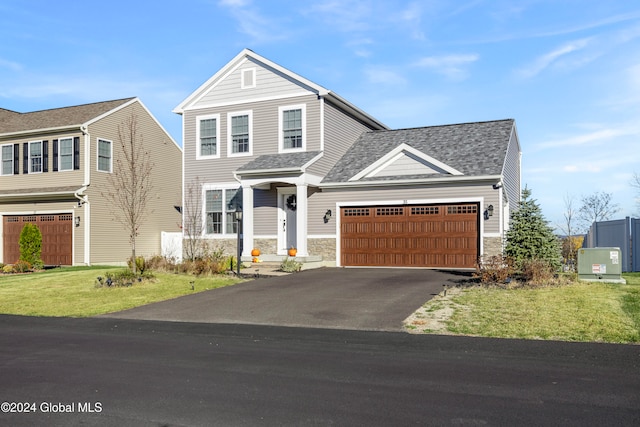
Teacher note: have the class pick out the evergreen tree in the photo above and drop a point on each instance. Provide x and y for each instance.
(529, 236)
(30, 244)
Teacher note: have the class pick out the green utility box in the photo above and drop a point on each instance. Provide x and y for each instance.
(600, 265)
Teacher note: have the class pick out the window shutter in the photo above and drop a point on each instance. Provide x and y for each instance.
(45, 156)
(76, 153)
(55, 155)
(16, 159)
(25, 157)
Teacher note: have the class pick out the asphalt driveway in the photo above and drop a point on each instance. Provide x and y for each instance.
(341, 298)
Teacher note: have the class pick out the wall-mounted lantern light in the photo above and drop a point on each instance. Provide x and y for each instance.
(490, 209)
(77, 221)
(327, 216)
(488, 212)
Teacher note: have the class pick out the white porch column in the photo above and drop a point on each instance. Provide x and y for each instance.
(247, 220)
(301, 220)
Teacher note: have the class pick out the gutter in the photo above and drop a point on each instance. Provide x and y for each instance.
(39, 131)
(423, 181)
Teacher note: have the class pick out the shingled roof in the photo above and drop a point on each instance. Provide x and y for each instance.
(12, 122)
(473, 149)
(271, 162)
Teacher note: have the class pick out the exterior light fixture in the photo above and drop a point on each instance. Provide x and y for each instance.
(77, 221)
(490, 209)
(237, 215)
(327, 216)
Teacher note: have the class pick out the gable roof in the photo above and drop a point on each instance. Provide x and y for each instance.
(12, 122)
(290, 75)
(467, 149)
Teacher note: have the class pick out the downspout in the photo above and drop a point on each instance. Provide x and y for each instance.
(83, 198)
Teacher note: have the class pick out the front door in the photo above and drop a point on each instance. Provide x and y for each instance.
(287, 204)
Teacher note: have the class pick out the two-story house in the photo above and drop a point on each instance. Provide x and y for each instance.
(311, 170)
(55, 173)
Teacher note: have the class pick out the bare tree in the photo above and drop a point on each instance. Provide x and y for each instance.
(129, 186)
(597, 207)
(192, 220)
(568, 228)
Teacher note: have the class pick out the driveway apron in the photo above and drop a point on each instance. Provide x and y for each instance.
(340, 298)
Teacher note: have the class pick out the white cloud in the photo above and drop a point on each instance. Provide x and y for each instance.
(411, 17)
(257, 26)
(452, 66)
(384, 76)
(546, 60)
(593, 138)
(13, 66)
(344, 15)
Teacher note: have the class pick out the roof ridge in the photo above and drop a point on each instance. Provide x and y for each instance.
(78, 105)
(440, 126)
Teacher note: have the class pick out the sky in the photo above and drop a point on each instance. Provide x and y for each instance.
(568, 71)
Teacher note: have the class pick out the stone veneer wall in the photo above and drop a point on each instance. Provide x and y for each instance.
(324, 247)
(492, 246)
(266, 246)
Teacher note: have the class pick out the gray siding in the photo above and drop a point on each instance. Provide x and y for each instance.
(340, 132)
(320, 202)
(265, 220)
(269, 84)
(265, 137)
(511, 174)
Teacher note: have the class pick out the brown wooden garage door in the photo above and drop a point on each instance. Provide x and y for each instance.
(410, 236)
(57, 237)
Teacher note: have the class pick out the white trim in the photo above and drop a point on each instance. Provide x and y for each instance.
(98, 139)
(13, 156)
(265, 236)
(243, 83)
(321, 236)
(223, 187)
(59, 154)
(230, 117)
(198, 151)
(281, 110)
(30, 172)
(395, 154)
(322, 124)
(248, 101)
(396, 182)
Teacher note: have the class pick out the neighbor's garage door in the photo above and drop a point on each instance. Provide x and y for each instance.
(410, 236)
(57, 237)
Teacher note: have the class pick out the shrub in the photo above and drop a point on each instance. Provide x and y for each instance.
(22, 266)
(30, 243)
(122, 278)
(494, 269)
(538, 271)
(290, 265)
(140, 264)
(8, 269)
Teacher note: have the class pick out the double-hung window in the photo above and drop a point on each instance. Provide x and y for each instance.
(220, 205)
(292, 128)
(7, 159)
(65, 154)
(105, 155)
(35, 157)
(240, 133)
(208, 130)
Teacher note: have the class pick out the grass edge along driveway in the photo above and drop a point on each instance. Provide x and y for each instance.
(71, 292)
(581, 311)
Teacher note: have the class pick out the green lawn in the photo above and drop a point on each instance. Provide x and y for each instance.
(72, 292)
(577, 312)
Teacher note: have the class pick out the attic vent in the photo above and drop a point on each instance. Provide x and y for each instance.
(248, 78)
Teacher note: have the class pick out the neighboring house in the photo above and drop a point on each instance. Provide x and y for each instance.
(317, 173)
(55, 168)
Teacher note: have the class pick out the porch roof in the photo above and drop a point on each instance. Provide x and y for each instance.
(279, 163)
